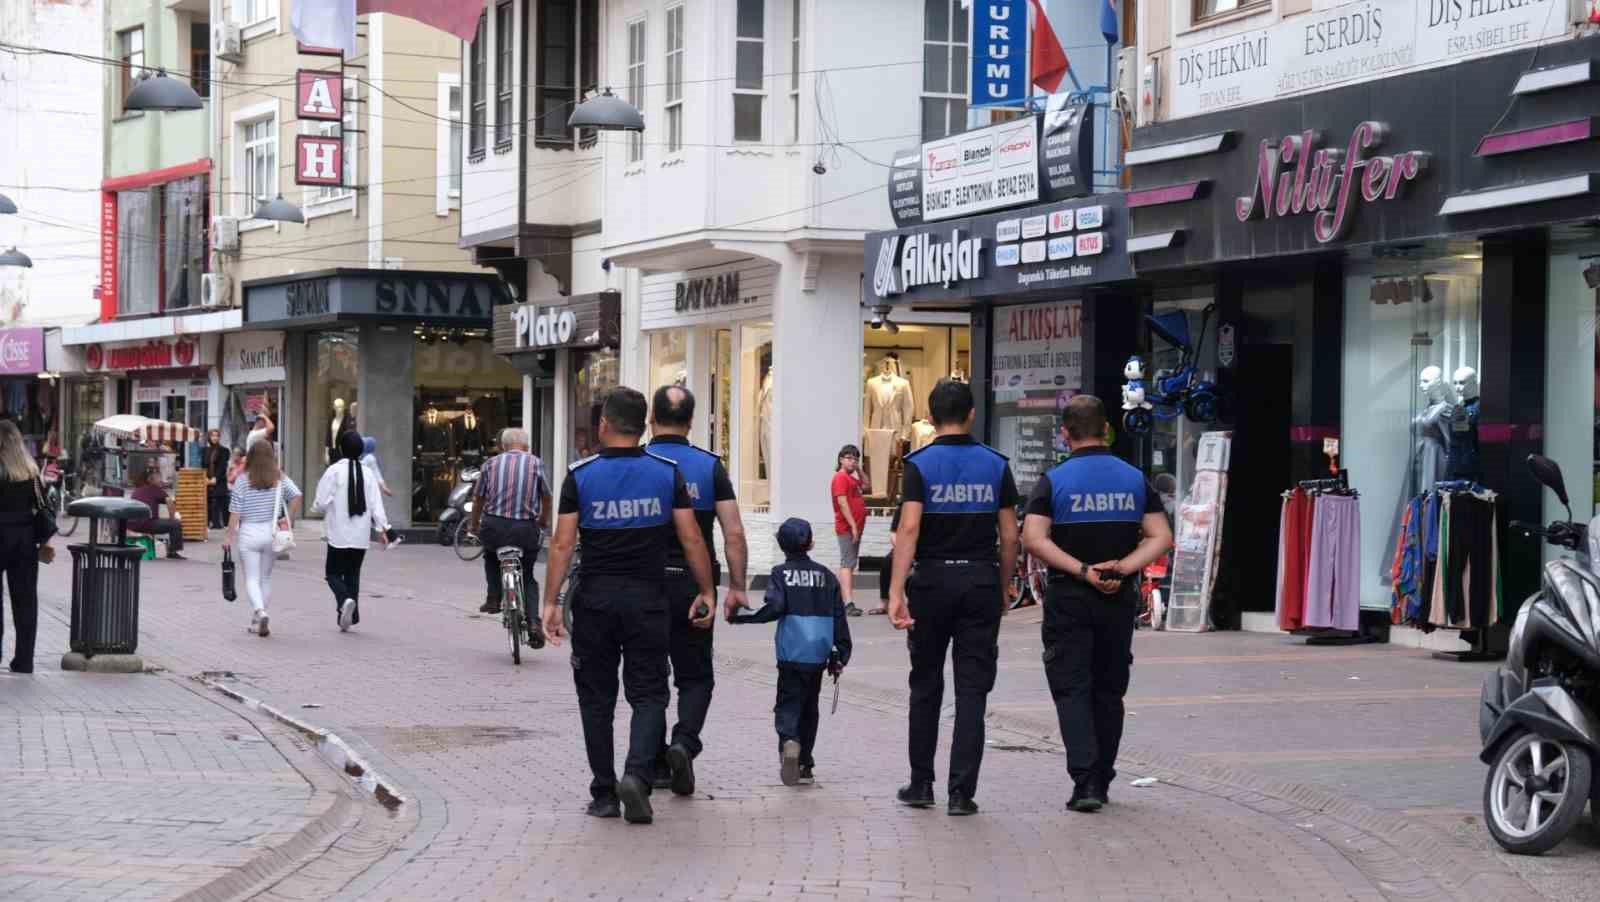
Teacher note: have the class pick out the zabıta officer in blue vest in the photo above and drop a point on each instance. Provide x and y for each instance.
(954, 549)
(621, 506)
(1096, 523)
(711, 494)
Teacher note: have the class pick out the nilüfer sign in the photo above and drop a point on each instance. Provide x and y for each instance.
(1325, 181)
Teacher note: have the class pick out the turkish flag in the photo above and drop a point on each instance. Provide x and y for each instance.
(332, 23)
(1049, 60)
(458, 17)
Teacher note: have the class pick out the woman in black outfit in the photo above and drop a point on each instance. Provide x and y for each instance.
(20, 497)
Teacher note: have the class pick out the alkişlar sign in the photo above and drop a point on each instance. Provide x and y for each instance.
(908, 261)
(1323, 180)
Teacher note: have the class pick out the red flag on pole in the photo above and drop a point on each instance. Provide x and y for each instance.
(1049, 60)
(458, 17)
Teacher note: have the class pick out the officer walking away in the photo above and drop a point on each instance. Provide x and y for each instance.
(1094, 521)
(621, 505)
(711, 496)
(511, 508)
(956, 542)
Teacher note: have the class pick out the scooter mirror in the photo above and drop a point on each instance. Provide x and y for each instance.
(1548, 472)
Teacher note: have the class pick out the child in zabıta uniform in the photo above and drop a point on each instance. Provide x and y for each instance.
(804, 597)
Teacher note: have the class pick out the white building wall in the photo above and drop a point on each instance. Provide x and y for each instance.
(55, 160)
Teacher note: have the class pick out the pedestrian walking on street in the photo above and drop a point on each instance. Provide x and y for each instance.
(369, 459)
(152, 493)
(215, 459)
(621, 505)
(955, 545)
(813, 639)
(1096, 522)
(264, 500)
(352, 507)
(711, 495)
(263, 430)
(511, 508)
(849, 519)
(235, 468)
(21, 497)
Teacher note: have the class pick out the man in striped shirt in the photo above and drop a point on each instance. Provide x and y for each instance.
(511, 504)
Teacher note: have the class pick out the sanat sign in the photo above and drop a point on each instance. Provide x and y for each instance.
(1296, 176)
(906, 261)
(999, 75)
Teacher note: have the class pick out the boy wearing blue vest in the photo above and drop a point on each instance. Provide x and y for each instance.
(813, 639)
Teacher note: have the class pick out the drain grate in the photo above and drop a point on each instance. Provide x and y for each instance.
(1018, 748)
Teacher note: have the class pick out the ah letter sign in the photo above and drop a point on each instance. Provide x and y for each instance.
(319, 95)
(318, 160)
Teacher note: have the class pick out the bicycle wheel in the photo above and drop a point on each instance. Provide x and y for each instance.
(467, 546)
(512, 580)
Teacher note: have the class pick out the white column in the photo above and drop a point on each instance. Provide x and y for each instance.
(563, 417)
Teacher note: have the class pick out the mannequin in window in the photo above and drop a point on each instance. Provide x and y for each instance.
(435, 435)
(922, 433)
(764, 422)
(1430, 428)
(335, 426)
(1462, 454)
(887, 400)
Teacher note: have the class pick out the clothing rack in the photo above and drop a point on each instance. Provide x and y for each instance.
(1429, 506)
(1314, 564)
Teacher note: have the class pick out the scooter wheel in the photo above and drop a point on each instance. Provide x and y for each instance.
(1535, 792)
(1137, 421)
(1201, 407)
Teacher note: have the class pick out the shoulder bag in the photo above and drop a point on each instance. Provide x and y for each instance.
(229, 593)
(282, 539)
(44, 521)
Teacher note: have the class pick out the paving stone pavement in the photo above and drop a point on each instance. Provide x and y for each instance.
(1281, 778)
(137, 786)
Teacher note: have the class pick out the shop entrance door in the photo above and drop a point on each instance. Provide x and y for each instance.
(721, 393)
(1264, 390)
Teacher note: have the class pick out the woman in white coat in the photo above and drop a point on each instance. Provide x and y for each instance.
(352, 507)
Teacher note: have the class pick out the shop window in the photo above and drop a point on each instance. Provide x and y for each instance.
(899, 369)
(332, 400)
(753, 442)
(465, 395)
(245, 403)
(749, 84)
(944, 68)
(721, 421)
(477, 75)
(674, 105)
(636, 51)
(669, 358)
(1572, 404)
(593, 374)
(1408, 329)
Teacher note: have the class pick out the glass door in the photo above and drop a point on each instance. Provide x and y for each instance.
(722, 393)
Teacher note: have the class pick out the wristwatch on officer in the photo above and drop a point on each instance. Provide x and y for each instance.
(1083, 570)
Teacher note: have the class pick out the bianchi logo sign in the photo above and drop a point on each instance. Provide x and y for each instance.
(907, 261)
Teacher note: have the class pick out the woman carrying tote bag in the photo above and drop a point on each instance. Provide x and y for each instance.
(352, 506)
(260, 511)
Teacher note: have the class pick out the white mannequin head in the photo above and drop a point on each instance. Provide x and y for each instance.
(1432, 384)
(1134, 369)
(338, 406)
(1466, 383)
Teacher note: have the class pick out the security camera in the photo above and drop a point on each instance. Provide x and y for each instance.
(605, 264)
(880, 319)
(876, 322)
(818, 168)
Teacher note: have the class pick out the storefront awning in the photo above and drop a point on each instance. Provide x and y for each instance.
(144, 429)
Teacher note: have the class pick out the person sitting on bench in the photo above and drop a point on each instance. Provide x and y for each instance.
(153, 494)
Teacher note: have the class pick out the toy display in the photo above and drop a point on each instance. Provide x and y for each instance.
(1183, 390)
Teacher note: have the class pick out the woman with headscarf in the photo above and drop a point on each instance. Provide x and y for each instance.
(352, 507)
(21, 493)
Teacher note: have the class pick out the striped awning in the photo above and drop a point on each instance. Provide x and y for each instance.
(145, 429)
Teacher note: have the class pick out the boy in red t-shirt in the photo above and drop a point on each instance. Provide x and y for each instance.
(849, 518)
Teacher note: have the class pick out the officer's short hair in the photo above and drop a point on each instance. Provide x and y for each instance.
(950, 402)
(673, 406)
(624, 409)
(1084, 418)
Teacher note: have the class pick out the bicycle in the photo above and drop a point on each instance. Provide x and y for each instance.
(513, 606)
(466, 542)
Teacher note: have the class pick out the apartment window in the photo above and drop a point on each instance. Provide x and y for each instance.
(749, 65)
(944, 68)
(448, 152)
(346, 129)
(674, 107)
(254, 11)
(258, 144)
(503, 34)
(453, 113)
(636, 84)
(1205, 9)
(480, 108)
(568, 66)
(130, 53)
(588, 61)
(794, 73)
(200, 58)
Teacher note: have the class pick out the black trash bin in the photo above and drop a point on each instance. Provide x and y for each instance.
(105, 580)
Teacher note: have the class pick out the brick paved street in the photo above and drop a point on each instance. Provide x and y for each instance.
(1286, 772)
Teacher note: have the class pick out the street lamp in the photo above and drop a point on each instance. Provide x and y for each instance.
(7, 205)
(608, 113)
(279, 210)
(14, 257)
(162, 92)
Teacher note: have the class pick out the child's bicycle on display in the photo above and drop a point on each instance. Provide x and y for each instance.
(1183, 391)
(1152, 603)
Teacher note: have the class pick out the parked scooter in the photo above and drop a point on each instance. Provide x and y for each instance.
(458, 506)
(1540, 713)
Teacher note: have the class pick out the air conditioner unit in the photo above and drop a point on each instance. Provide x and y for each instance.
(215, 291)
(225, 234)
(226, 42)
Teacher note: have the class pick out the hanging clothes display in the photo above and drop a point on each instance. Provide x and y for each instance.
(1319, 557)
(1447, 561)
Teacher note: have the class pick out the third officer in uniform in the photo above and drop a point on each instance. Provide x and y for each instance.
(1096, 522)
(711, 494)
(959, 504)
(622, 504)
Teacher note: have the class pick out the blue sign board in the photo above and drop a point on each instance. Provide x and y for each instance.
(999, 74)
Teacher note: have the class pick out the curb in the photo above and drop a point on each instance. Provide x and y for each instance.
(1404, 859)
(328, 743)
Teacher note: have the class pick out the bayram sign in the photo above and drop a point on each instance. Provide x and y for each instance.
(1326, 182)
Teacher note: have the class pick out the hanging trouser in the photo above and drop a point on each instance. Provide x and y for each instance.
(1333, 595)
(1293, 556)
(1470, 565)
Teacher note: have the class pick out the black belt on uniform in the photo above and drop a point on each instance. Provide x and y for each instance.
(947, 562)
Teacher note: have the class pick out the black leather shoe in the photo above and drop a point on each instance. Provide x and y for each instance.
(1103, 791)
(916, 795)
(635, 795)
(607, 807)
(1086, 797)
(681, 764)
(535, 636)
(806, 775)
(660, 777)
(789, 763)
(961, 805)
